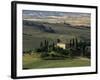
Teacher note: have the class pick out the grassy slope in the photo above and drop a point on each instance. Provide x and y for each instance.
(33, 62)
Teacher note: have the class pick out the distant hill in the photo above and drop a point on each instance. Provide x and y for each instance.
(41, 27)
(72, 18)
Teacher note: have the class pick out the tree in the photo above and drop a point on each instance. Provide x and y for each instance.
(73, 43)
(41, 44)
(53, 46)
(45, 43)
(76, 43)
(58, 40)
(84, 47)
(70, 43)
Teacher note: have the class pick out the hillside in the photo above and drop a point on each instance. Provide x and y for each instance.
(34, 32)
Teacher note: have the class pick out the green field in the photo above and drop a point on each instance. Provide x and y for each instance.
(34, 61)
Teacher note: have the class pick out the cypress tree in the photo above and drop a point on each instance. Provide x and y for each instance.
(73, 44)
(84, 48)
(41, 44)
(76, 43)
(58, 40)
(45, 42)
(70, 43)
(53, 45)
(47, 45)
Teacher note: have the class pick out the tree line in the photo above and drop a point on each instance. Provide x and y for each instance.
(74, 48)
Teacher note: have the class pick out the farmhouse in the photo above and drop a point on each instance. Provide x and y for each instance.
(61, 45)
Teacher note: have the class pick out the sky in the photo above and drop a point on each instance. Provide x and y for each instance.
(53, 13)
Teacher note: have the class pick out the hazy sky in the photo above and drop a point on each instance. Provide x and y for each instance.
(54, 13)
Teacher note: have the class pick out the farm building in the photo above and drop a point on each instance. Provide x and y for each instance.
(61, 45)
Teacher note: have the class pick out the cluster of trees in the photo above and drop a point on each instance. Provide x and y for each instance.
(73, 49)
(79, 48)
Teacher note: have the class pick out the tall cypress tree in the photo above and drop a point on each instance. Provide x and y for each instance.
(76, 43)
(47, 45)
(41, 44)
(45, 42)
(84, 47)
(58, 40)
(53, 45)
(73, 44)
(70, 43)
(44, 48)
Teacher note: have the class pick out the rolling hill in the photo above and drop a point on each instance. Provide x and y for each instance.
(34, 32)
